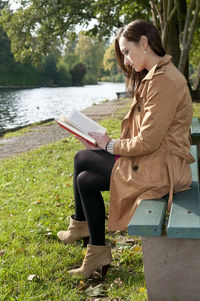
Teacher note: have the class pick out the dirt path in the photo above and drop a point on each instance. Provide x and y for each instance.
(44, 134)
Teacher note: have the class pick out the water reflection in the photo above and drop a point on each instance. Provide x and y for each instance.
(22, 107)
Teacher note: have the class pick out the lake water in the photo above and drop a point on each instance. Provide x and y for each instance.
(26, 106)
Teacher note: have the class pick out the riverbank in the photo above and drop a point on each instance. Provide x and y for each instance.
(37, 199)
(42, 134)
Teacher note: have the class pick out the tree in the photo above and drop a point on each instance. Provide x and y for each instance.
(63, 76)
(70, 58)
(39, 25)
(109, 60)
(165, 13)
(12, 73)
(90, 52)
(77, 74)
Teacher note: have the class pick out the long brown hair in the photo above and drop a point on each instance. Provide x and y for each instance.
(133, 32)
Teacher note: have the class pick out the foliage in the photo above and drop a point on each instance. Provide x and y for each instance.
(38, 26)
(49, 69)
(90, 52)
(109, 60)
(77, 74)
(195, 52)
(63, 75)
(36, 197)
(70, 58)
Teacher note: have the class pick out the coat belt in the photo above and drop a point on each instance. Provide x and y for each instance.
(188, 158)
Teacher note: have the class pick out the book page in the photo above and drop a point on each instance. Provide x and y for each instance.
(85, 123)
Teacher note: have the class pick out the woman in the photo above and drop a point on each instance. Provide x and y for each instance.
(150, 159)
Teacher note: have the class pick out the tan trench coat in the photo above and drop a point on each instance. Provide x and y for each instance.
(154, 144)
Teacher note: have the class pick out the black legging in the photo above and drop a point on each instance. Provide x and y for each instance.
(92, 171)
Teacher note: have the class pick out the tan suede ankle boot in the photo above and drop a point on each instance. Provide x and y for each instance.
(96, 257)
(76, 230)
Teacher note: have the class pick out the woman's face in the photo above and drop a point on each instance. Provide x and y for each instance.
(134, 55)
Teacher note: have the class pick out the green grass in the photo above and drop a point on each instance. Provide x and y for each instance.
(26, 129)
(36, 199)
(196, 110)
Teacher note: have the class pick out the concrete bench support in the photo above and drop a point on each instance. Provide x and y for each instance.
(172, 268)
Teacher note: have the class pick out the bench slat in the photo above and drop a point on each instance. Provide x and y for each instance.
(148, 219)
(184, 220)
(195, 127)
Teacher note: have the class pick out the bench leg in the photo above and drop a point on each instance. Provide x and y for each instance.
(172, 268)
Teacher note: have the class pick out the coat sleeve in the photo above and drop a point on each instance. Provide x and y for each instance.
(160, 106)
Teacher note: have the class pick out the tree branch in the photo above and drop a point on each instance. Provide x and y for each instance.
(170, 16)
(194, 22)
(153, 12)
(187, 23)
(169, 5)
(188, 35)
(164, 12)
(158, 12)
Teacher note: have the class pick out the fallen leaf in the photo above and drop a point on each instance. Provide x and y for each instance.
(137, 248)
(13, 235)
(59, 279)
(2, 252)
(96, 291)
(141, 289)
(37, 202)
(48, 234)
(57, 197)
(82, 285)
(26, 238)
(118, 282)
(31, 277)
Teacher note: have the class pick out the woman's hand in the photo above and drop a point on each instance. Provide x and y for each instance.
(87, 145)
(101, 139)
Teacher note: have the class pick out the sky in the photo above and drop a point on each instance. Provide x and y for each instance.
(13, 4)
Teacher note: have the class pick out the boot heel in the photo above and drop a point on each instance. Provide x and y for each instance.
(104, 270)
(85, 241)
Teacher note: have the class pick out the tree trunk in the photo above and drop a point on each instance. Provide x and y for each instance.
(182, 12)
(172, 42)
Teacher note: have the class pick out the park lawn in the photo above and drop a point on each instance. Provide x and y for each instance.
(36, 199)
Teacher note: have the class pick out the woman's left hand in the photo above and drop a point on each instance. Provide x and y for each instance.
(88, 145)
(101, 139)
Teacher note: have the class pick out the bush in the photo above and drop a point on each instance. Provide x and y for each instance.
(78, 74)
(117, 78)
(64, 78)
(90, 79)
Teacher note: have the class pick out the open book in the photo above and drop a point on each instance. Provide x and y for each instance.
(79, 124)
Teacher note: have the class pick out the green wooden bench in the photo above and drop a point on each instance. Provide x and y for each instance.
(195, 133)
(171, 244)
(123, 94)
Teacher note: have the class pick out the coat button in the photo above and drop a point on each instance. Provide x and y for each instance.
(139, 108)
(135, 167)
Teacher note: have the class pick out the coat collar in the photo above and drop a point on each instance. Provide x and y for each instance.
(157, 68)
